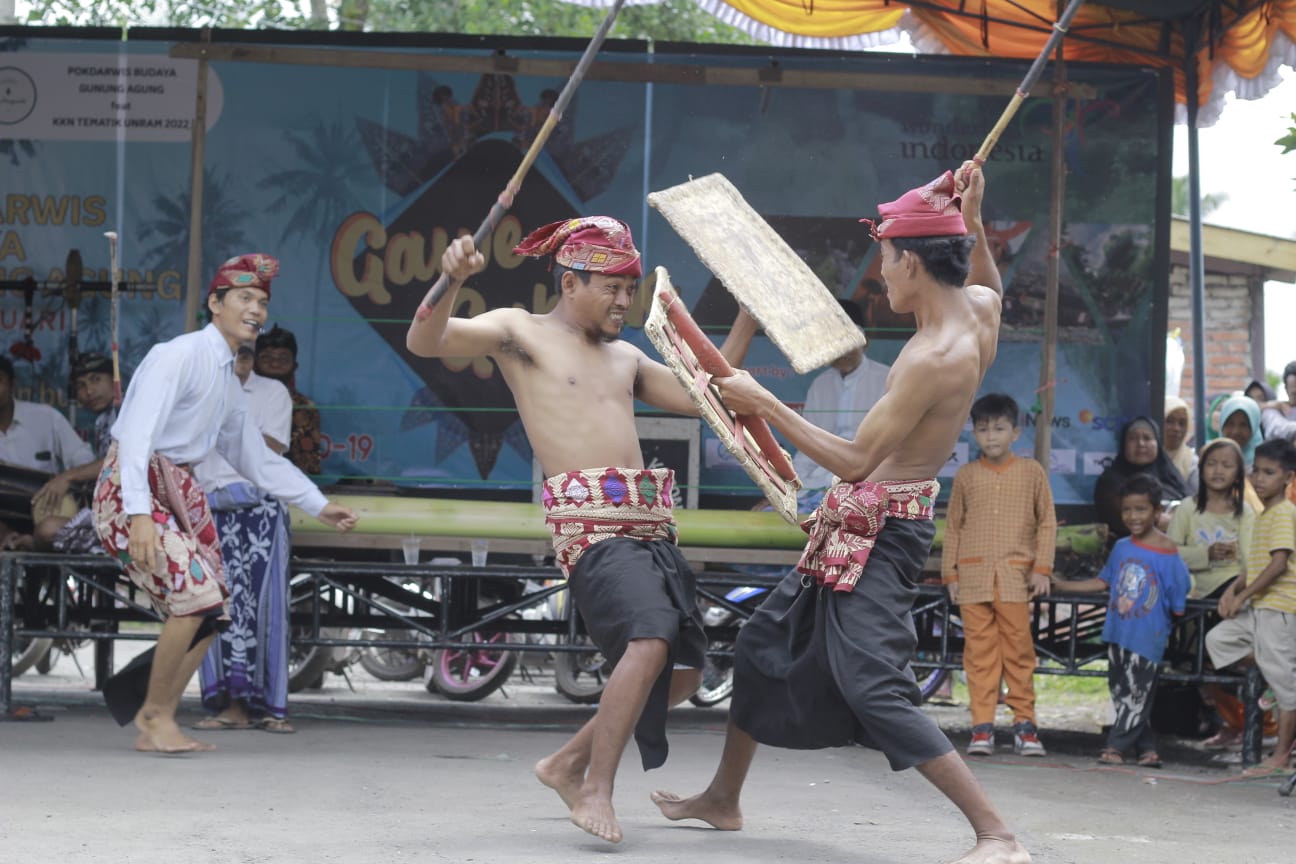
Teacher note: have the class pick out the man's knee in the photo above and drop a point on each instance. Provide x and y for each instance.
(648, 650)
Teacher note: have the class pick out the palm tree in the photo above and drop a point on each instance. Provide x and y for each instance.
(320, 186)
(222, 214)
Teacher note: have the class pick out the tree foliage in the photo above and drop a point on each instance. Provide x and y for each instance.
(672, 20)
(1179, 199)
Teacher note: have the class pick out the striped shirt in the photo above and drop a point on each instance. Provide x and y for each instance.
(1275, 530)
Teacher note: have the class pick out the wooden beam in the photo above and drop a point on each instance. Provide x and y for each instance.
(435, 60)
(1273, 254)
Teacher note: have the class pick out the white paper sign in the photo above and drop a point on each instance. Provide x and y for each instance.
(1062, 461)
(102, 97)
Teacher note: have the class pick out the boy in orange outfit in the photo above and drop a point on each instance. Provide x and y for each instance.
(997, 556)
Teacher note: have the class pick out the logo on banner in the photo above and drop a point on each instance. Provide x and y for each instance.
(1096, 462)
(451, 176)
(17, 95)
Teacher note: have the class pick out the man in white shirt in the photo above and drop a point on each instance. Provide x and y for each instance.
(244, 675)
(837, 401)
(151, 513)
(37, 437)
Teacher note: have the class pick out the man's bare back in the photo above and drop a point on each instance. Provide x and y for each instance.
(956, 354)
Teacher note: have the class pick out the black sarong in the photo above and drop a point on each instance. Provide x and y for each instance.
(634, 589)
(819, 668)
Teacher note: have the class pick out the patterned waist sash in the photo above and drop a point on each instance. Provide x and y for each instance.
(847, 521)
(587, 507)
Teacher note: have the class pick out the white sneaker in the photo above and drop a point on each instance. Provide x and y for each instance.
(1026, 740)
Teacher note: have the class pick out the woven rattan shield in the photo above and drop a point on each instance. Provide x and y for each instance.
(798, 313)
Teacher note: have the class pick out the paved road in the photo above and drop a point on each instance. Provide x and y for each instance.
(392, 774)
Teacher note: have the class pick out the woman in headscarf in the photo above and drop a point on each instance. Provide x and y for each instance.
(1178, 437)
(1259, 391)
(1140, 453)
(1240, 422)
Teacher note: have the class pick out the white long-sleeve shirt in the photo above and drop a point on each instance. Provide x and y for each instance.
(41, 438)
(184, 401)
(268, 406)
(837, 403)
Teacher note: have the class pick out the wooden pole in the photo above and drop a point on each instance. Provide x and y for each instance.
(505, 199)
(198, 135)
(1057, 199)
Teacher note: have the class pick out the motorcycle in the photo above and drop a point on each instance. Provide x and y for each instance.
(717, 675)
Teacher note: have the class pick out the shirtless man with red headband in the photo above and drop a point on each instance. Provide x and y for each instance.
(575, 382)
(825, 661)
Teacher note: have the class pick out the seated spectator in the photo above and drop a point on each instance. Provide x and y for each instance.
(276, 358)
(92, 376)
(1179, 436)
(37, 437)
(1140, 453)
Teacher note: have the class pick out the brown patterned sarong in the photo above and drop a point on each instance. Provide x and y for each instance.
(847, 521)
(587, 507)
(188, 578)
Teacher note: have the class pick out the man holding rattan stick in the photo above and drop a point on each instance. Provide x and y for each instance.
(575, 382)
(825, 661)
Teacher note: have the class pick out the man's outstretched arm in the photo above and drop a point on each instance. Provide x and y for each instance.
(892, 419)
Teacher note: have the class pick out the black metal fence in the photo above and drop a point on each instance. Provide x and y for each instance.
(387, 605)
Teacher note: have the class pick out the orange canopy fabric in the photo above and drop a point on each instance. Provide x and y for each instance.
(1242, 43)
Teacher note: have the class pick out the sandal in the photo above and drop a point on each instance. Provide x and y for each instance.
(1110, 756)
(277, 725)
(1150, 759)
(222, 724)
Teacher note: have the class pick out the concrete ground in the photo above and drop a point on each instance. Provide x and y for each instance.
(391, 773)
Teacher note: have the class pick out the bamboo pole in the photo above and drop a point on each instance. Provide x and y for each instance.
(198, 135)
(1057, 200)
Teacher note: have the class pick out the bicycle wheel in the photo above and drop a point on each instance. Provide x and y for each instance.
(581, 676)
(467, 675)
(28, 652)
(392, 664)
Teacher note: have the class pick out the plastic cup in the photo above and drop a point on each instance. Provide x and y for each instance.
(479, 550)
(410, 548)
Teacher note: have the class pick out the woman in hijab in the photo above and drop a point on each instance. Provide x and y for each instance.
(1240, 422)
(1140, 453)
(1261, 392)
(1178, 437)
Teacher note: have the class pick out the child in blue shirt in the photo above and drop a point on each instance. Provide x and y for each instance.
(1148, 582)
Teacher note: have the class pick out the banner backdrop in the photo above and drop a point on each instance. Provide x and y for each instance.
(356, 178)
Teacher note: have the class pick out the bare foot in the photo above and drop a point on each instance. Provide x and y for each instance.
(726, 817)
(595, 815)
(995, 850)
(566, 782)
(158, 735)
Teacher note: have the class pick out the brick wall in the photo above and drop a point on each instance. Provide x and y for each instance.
(1233, 322)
